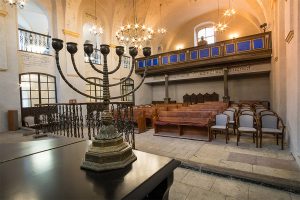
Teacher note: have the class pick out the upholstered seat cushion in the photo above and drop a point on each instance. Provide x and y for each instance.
(271, 130)
(246, 129)
(218, 127)
(231, 122)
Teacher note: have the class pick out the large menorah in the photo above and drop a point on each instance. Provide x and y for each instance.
(108, 150)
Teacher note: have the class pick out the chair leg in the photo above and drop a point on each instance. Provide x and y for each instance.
(277, 138)
(226, 136)
(282, 141)
(237, 138)
(256, 139)
(253, 138)
(215, 134)
(260, 140)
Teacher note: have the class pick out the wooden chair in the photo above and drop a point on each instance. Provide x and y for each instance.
(246, 124)
(272, 124)
(232, 116)
(222, 121)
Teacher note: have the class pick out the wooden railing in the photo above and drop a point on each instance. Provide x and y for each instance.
(229, 51)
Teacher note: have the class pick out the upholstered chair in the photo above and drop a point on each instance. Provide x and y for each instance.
(272, 124)
(246, 124)
(232, 115)
(221, 125)
(266, 112)
(247, 112)
(258, 110)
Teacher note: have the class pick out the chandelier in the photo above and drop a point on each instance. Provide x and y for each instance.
(95, 30)
(137, 35)
(20, 3)
(162, 31)
(230, 11)
(220, 26)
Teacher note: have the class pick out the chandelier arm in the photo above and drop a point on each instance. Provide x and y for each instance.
(125, 79)
(118, 67)
(80, 75)
(135, 89)
(68, 83)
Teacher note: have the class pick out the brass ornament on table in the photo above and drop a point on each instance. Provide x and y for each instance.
(108, 150)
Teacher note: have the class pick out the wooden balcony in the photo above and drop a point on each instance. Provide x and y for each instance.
(253, 48)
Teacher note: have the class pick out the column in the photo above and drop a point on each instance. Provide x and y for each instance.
(167, 99)
(226, 97)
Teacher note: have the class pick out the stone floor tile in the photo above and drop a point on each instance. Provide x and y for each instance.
(199, 179)
(180, 173)
(258, 192)
(201, 194)
(236, 165)
(295, 196)
(179, 190)
(281, 173)
(233, 188)
(203, 160)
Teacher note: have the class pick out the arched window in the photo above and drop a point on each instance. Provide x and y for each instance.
(93, 90)
(207, 32)
(89, 37)
(37, 88)
(126, 87)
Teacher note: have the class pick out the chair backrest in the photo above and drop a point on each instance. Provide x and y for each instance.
(232, 109)
(266, 112)
(247, 112)
(29, 121)
(246, 120)
(269, 121)
(230, 113)
(258, 110)
(222, 119)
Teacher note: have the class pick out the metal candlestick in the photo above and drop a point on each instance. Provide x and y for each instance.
(108, 150)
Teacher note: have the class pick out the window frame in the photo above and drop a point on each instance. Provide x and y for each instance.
(40, 97)
(95, 89)
(200, 27)
(124, 89)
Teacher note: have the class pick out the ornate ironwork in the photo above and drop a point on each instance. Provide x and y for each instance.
(113, 123)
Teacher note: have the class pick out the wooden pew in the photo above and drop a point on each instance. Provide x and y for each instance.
(139, 119)
(184, 124)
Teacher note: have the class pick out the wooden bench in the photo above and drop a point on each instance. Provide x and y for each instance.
(139, 119)
(184, 124)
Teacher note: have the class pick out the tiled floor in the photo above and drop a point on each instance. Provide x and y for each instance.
(266, 161)
(190, 184)
(195, 185)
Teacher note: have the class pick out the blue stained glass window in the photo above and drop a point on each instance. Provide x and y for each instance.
(258, 43)
(141, 63)
(155, 61)
(173, 58)
(215, 51)
(230, 48)
(194, 55)
(149, 62)
(165, 60)
(204, 53)
(243, 46)
(182, 57)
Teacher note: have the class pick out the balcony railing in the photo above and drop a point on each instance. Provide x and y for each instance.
(34, 42)
(95, 57)
(251, 47)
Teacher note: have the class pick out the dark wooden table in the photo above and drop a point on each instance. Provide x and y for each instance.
(56, 174)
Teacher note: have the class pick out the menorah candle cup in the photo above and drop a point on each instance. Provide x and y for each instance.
(133, 51)
(119, 50)
(104, 49)
(147, 51)
(72, 47)
(57, 44)
(88, 49)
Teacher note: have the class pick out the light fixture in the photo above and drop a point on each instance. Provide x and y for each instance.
(20, 3)
(230, 11)
(95, 30)
(135, 34)
(161, 30)
(220, 26)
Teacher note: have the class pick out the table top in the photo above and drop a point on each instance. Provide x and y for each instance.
(56, 174)
(11, 151)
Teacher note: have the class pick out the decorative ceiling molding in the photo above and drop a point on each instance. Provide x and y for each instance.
(290, 36)
(3, 13)
(71, 33)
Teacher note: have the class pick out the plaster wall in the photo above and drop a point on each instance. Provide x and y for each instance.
(239, 88)
(9, 87)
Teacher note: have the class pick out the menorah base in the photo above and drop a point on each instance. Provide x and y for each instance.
(106, 155)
